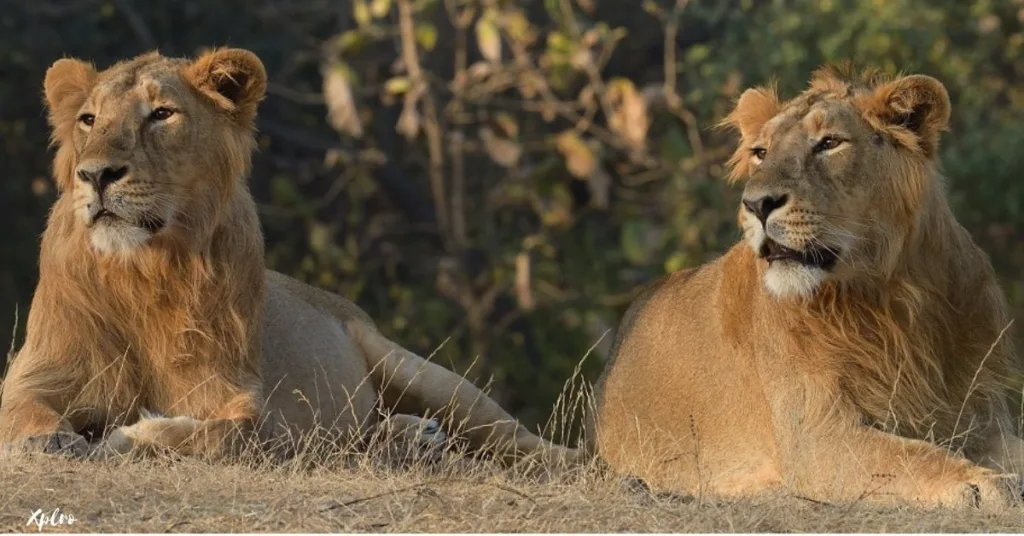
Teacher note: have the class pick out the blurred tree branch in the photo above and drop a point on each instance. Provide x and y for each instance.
(435, 137)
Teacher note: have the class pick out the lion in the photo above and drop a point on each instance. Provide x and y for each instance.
(155, 326)
(852, 346)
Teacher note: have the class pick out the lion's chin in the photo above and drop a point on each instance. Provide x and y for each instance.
(788, 279)
(118, 238)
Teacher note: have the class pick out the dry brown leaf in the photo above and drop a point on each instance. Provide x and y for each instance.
(409, 122)
(504, 151)
(582, 58)
(587, 5)
(579, 159)
(341, 107)
(524, 294)
(988, 24)
(380, 8)
(487, 37)
(479, 70)
(507, 124)
(629, 118)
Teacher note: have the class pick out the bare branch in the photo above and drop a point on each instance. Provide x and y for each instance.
(431, 126)
(455, 107)
(672, 98)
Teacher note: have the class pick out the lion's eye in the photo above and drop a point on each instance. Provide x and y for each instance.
(828, 143)
(161, 114)
(759, 152)
(87, 119)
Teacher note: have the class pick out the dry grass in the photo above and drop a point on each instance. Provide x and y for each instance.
(360, 494)
(383, 489)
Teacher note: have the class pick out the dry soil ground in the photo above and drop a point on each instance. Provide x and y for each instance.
(460, 496)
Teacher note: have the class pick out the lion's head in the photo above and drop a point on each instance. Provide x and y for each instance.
(836, 178)
(137, 143)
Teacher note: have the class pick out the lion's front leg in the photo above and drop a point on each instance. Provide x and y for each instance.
(29, 424)
(224, 433)
(183, 435)
(34, 409)
(864, 464)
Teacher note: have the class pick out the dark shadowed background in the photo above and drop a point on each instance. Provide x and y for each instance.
(497, 178)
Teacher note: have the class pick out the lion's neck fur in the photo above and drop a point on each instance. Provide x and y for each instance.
(169, 305)
(905, 347)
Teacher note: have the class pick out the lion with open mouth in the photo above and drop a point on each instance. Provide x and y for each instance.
(852, 347)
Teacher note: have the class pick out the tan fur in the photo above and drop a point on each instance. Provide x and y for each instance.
(887, 377)
(160, 325)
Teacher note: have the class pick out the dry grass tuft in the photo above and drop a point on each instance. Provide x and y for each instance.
(372, 485)
(459, 496)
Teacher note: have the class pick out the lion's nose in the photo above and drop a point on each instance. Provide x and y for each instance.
(101, 174)
(762, 207)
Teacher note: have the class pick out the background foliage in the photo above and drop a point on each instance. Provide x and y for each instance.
(498, 178)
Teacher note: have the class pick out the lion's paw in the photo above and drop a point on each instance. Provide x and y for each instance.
(984, 490)
(60, 443)
(151, 431)
(430, 440)
(431, 435)
(115, 444)
(407, 438)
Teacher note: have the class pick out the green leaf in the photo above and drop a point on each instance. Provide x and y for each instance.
(380, 8)
(361, 12)
(675, 262)
(555, 209)
(283, 192)
(351, 41)
(640, 239)
(398, 85)
(518, 26)
(557, 41)
(426, 35)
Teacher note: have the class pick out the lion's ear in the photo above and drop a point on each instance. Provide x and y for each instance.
(66, 86)
(913, 110)
(234, 78)
(754, 108)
